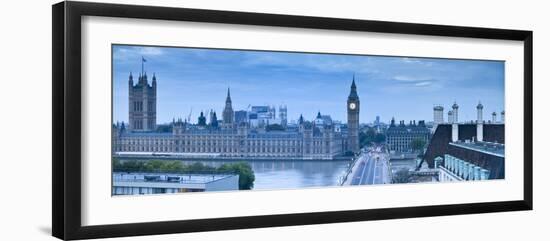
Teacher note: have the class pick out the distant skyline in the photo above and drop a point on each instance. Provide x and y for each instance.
(406, 88)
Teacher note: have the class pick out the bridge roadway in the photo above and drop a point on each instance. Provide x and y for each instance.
(372, 168)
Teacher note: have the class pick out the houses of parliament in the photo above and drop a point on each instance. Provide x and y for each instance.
(245, 135)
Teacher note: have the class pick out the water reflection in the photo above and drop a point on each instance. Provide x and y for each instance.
(291, 174)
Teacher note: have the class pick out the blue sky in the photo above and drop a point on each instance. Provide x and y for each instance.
(401, 87)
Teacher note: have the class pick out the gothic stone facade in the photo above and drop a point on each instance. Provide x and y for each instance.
(353, 118)
(142, 104)
(309, 142)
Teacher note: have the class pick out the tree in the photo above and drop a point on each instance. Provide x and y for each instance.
(128, 165)
(370, 136)
(363, 141)
(401, 176)
(380, 138)
(116, 163)
(366, 138)
(155, 166)
(199, 167)
(172, 166)
(348, 153)
(246, 175)
(418, 144)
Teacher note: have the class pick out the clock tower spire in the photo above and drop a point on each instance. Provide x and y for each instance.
(353, 118)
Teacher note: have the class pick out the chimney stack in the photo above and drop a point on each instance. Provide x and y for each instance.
(479, 113)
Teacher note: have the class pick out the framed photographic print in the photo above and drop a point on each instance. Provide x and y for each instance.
(170, 120)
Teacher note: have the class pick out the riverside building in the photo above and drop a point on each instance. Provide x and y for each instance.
(399, 137)
(235, 135)
(469, 150)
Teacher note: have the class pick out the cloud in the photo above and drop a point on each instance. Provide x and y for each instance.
(403, 78)
(317, 62)
(423, 83)
(149, 51)
(125, 53)
(416, 61)
(413, 81)
(409, 60)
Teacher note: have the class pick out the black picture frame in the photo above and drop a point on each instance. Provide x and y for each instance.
(66, 127)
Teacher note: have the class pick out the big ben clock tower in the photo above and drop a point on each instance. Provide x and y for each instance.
(353, 119)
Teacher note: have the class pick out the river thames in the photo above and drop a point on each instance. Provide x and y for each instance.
(275, 174)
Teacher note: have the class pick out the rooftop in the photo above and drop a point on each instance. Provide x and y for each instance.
(168, 177)
(275, 134)
(147, 134)
(407, 128)
(491, 148)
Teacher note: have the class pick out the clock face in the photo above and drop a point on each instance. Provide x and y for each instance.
(352, 106)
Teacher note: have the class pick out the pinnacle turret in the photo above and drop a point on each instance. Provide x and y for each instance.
(353, 90)
(228, 98)
(479, 105)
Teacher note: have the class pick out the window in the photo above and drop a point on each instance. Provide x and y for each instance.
(159, 190)
(138, 106)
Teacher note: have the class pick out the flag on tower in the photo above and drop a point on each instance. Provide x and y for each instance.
(143, 60)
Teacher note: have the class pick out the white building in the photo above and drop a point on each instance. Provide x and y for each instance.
(261, 116)
(438, 114)
(480, 158)
(455, 113)
(125, 183)
(479, 108)
(438, 117)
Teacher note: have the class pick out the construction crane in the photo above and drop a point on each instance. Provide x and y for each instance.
(189, 116)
